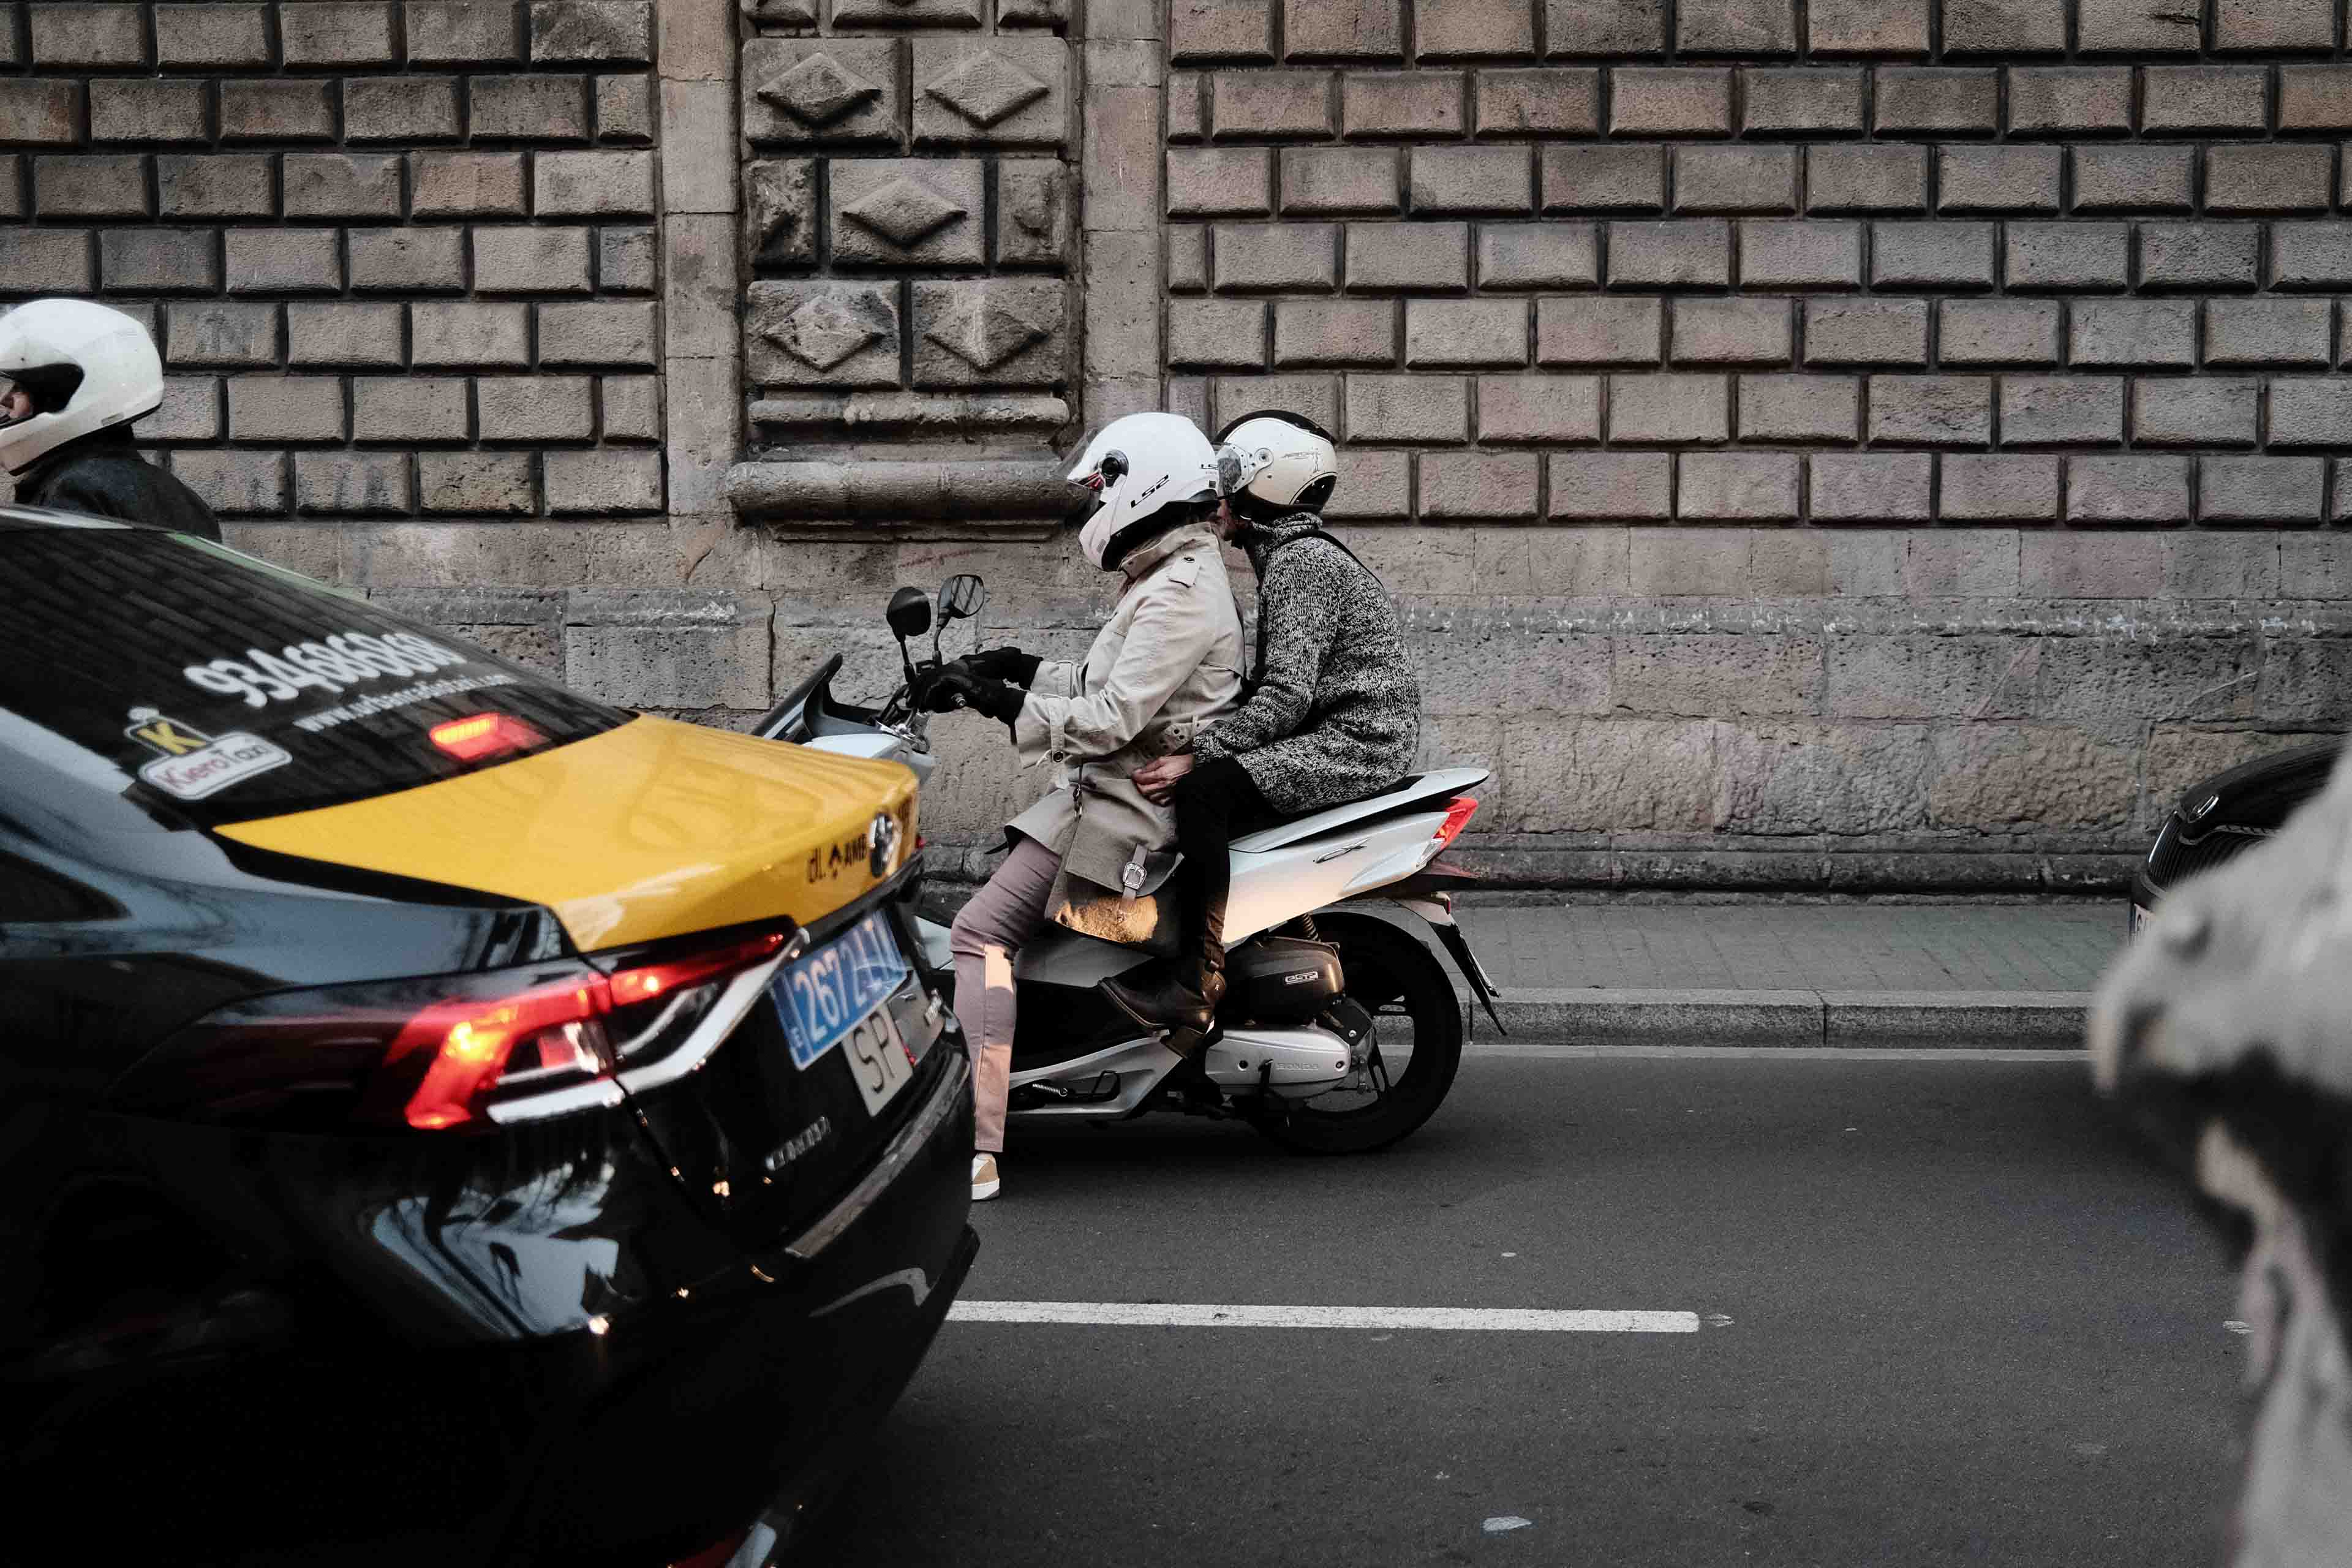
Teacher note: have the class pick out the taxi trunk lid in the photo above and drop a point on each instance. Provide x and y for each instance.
(642, 837)
(651, 830)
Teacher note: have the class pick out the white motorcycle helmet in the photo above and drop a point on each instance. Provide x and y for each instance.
(1135, 470)
(85, 366)
(1272, 464)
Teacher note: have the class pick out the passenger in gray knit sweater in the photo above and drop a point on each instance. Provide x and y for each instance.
(1331, 712)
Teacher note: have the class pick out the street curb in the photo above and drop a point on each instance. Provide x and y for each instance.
(2016, 1020)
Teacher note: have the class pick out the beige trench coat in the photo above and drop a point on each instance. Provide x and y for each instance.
(1166, 664)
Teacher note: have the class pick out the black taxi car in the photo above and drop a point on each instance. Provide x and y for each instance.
(448, 1119)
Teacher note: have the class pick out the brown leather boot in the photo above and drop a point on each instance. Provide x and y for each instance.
(1181, 1000)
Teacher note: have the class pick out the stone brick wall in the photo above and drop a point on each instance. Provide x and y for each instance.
(1822, 444)
(1678, 286)
(400, 258)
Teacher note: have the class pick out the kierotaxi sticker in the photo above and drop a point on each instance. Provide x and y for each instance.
(189, 764)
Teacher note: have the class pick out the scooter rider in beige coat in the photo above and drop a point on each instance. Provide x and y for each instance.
(1093, 854)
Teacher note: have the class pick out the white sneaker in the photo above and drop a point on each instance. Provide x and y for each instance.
(984, 1181)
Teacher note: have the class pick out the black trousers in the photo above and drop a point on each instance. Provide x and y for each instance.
(1215, 803)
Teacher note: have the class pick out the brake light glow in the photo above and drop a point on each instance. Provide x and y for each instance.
(1457, 817)
(459, 1051)
(472, 1042)
(485, 735)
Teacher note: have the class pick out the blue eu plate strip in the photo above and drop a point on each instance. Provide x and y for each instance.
(822, 995)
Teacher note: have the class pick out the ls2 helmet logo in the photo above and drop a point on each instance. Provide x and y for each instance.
(881, 843)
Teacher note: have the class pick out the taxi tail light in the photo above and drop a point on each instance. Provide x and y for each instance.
(449, 1051)
(453, 1053)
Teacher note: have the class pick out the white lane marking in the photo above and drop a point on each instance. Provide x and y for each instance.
(1532, 1051)
(1502, 1522)
(1190, 1315)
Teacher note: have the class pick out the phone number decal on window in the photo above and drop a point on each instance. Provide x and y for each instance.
(343, 660)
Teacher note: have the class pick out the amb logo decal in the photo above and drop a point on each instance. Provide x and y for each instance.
(189, 764)
(827, 861)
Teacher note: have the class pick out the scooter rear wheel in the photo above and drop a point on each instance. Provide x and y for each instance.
(1399, 982)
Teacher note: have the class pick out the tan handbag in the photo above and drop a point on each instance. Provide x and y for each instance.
(1144, 915)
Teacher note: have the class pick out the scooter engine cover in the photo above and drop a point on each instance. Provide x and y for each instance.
(1295, 1063)
(1281, 979)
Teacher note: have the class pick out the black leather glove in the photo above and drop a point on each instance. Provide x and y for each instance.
(955, 686)
(918, 686)
(1004, 664)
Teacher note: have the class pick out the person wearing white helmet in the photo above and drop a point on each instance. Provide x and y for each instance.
(73, 377)
(1093, 853)
(1331, 712)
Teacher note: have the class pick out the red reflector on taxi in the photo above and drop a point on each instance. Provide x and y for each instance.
(631, 987)
(485, 735)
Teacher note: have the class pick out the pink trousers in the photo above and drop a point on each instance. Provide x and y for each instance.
(986, 936)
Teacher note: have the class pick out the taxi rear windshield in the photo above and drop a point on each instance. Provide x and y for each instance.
(222, 688)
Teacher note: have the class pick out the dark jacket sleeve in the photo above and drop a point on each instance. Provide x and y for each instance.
(120, 485)
(85, 492)
(1301, 595)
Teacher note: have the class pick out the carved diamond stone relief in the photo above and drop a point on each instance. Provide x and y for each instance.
(828, 334)
(991, 332)
(903, 212)
(906, 13)
(1002, 91)
(986, 88)
(819, 90)
(780, 211)
(1032, 211)
(908, 212)
(822, 90)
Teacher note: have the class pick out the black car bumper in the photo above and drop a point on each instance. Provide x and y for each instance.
(2220, 817)
(302, 1416)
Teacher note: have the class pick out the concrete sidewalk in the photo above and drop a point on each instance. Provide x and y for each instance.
(1958, 974)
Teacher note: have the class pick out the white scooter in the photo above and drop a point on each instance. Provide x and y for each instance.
(1339, 1031)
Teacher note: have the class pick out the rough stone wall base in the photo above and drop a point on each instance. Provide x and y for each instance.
(1823, 731)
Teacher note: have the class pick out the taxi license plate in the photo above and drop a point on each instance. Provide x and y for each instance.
(878, 1059)
(840, 992)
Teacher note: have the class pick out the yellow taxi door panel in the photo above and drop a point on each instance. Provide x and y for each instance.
(649, 830)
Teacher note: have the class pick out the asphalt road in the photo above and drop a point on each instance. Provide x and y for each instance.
(1967, 1323)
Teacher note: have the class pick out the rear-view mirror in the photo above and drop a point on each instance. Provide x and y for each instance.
(961, 597)
(911, 612)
